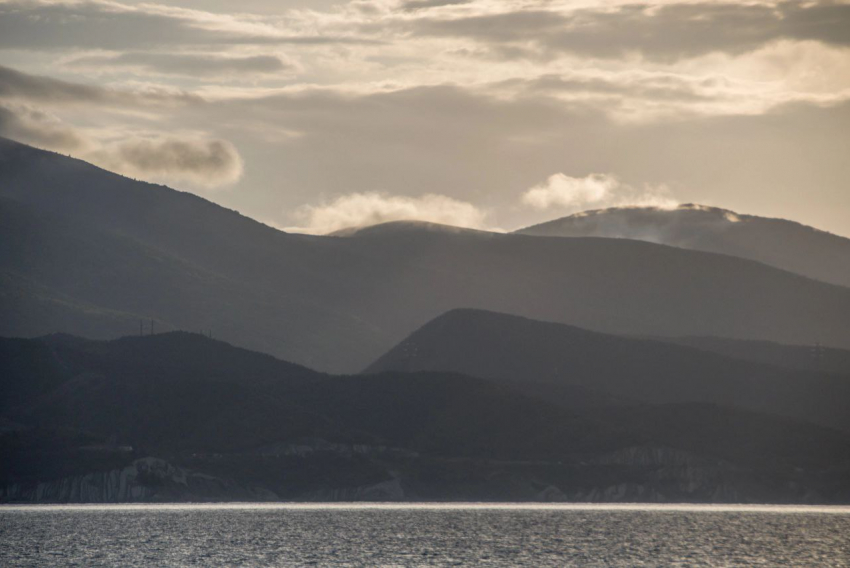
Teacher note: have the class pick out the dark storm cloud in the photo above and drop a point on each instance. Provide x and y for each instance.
(667, 32)
(189, 64)
(100, 25)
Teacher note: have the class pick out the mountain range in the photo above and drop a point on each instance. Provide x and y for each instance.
(89, 252)
(155, 346)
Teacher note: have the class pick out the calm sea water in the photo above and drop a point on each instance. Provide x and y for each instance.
(423, 535)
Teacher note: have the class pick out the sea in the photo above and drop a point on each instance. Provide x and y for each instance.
(423, 534)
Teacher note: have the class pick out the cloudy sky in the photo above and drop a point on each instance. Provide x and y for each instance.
(318, 114)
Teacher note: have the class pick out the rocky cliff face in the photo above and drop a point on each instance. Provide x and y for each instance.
(144, 480)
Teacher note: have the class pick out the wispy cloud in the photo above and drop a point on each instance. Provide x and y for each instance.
(189, 64)
(101, 24)
(415, 5)
(15, 84)
(665, 32)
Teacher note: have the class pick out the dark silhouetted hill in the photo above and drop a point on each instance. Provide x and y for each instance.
(523, 351)
(182, 402)
(181, 391)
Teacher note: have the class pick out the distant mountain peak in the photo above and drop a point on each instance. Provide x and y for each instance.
(639, 214)
(777, 242)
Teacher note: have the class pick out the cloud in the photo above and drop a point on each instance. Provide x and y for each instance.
(593, 191)
(36, 88)
(189, 64)
(205, 163)
(48, 26)
(654, 87)
(640, 95)
(363, 209)
(33, 87)
(414, 5)
(661, 32)
(99, 25)
(194, 159)
(35, 127)
(443, 108)
(477, 148)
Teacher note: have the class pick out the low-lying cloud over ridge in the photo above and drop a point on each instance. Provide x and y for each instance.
(573, 194)
(200, 162)
(177, 159)
(38, 128)
(363, 209)
(197, 160)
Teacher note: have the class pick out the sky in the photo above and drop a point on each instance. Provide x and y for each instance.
(312, 116)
